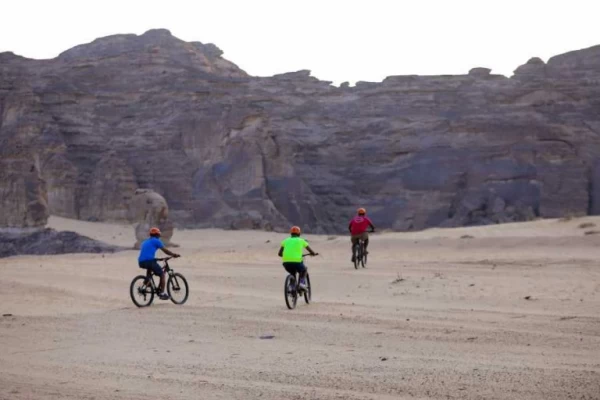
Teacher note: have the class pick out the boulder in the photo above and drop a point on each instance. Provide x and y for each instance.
(534, 69)
(480, 72)
(49, 241)
(148, 209)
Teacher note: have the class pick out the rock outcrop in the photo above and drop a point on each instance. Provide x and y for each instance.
(149, 209)
(23, 196)
(48, 242)
(229, 150)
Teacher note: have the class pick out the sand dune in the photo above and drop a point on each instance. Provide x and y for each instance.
(433, 316)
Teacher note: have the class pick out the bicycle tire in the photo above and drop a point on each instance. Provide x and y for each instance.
(308, 291)
(363, 255)
(174, 286)
(290, 292)
(143, 291)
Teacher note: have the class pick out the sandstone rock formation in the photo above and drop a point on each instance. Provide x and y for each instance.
(149, 209)
(23, 196)
(230, 150)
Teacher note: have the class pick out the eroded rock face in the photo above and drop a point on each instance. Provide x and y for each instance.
(148, 209)
(229, 150)
(23, 196)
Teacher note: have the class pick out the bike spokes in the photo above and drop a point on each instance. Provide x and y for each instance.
(290, 292)
(363, 255)
(308, 291)
(178, 289)
(141, 293)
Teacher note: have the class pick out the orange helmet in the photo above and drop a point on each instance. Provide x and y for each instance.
(295, 230)
(154, 231)
(361, 211)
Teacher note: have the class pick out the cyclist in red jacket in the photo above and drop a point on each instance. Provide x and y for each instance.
(358, 229)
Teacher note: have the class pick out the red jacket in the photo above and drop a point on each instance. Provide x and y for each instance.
(359, 225)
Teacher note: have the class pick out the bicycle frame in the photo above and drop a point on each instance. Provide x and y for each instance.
(297, 274)
(360, 247)
(166, 269)
(295, 290)
(361, 244)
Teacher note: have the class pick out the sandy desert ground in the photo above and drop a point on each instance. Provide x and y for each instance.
(434, 316)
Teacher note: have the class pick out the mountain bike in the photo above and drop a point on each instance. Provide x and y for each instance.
(360, 254)
(292, 291)
(143, 288)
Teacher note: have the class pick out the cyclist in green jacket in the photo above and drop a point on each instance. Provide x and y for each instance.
(291, 251)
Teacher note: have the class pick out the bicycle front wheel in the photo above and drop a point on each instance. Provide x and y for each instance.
(141, 292)
(178, 289)
(290, 292)
(308, 291)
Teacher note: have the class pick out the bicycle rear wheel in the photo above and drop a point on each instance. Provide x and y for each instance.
(142, 294)
(178, 289)
(363, 258)
(308, 291)
(290, 292)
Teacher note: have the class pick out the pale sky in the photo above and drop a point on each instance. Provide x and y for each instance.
(338, 40)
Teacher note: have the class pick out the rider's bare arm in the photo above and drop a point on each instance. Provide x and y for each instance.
(312, 253)
(280, 254)
(372, 227)
(169, 252)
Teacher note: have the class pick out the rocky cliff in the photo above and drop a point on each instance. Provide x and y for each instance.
(80, 133)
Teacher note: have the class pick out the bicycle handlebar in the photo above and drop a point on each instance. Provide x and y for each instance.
(164, 258)
(310, 255)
